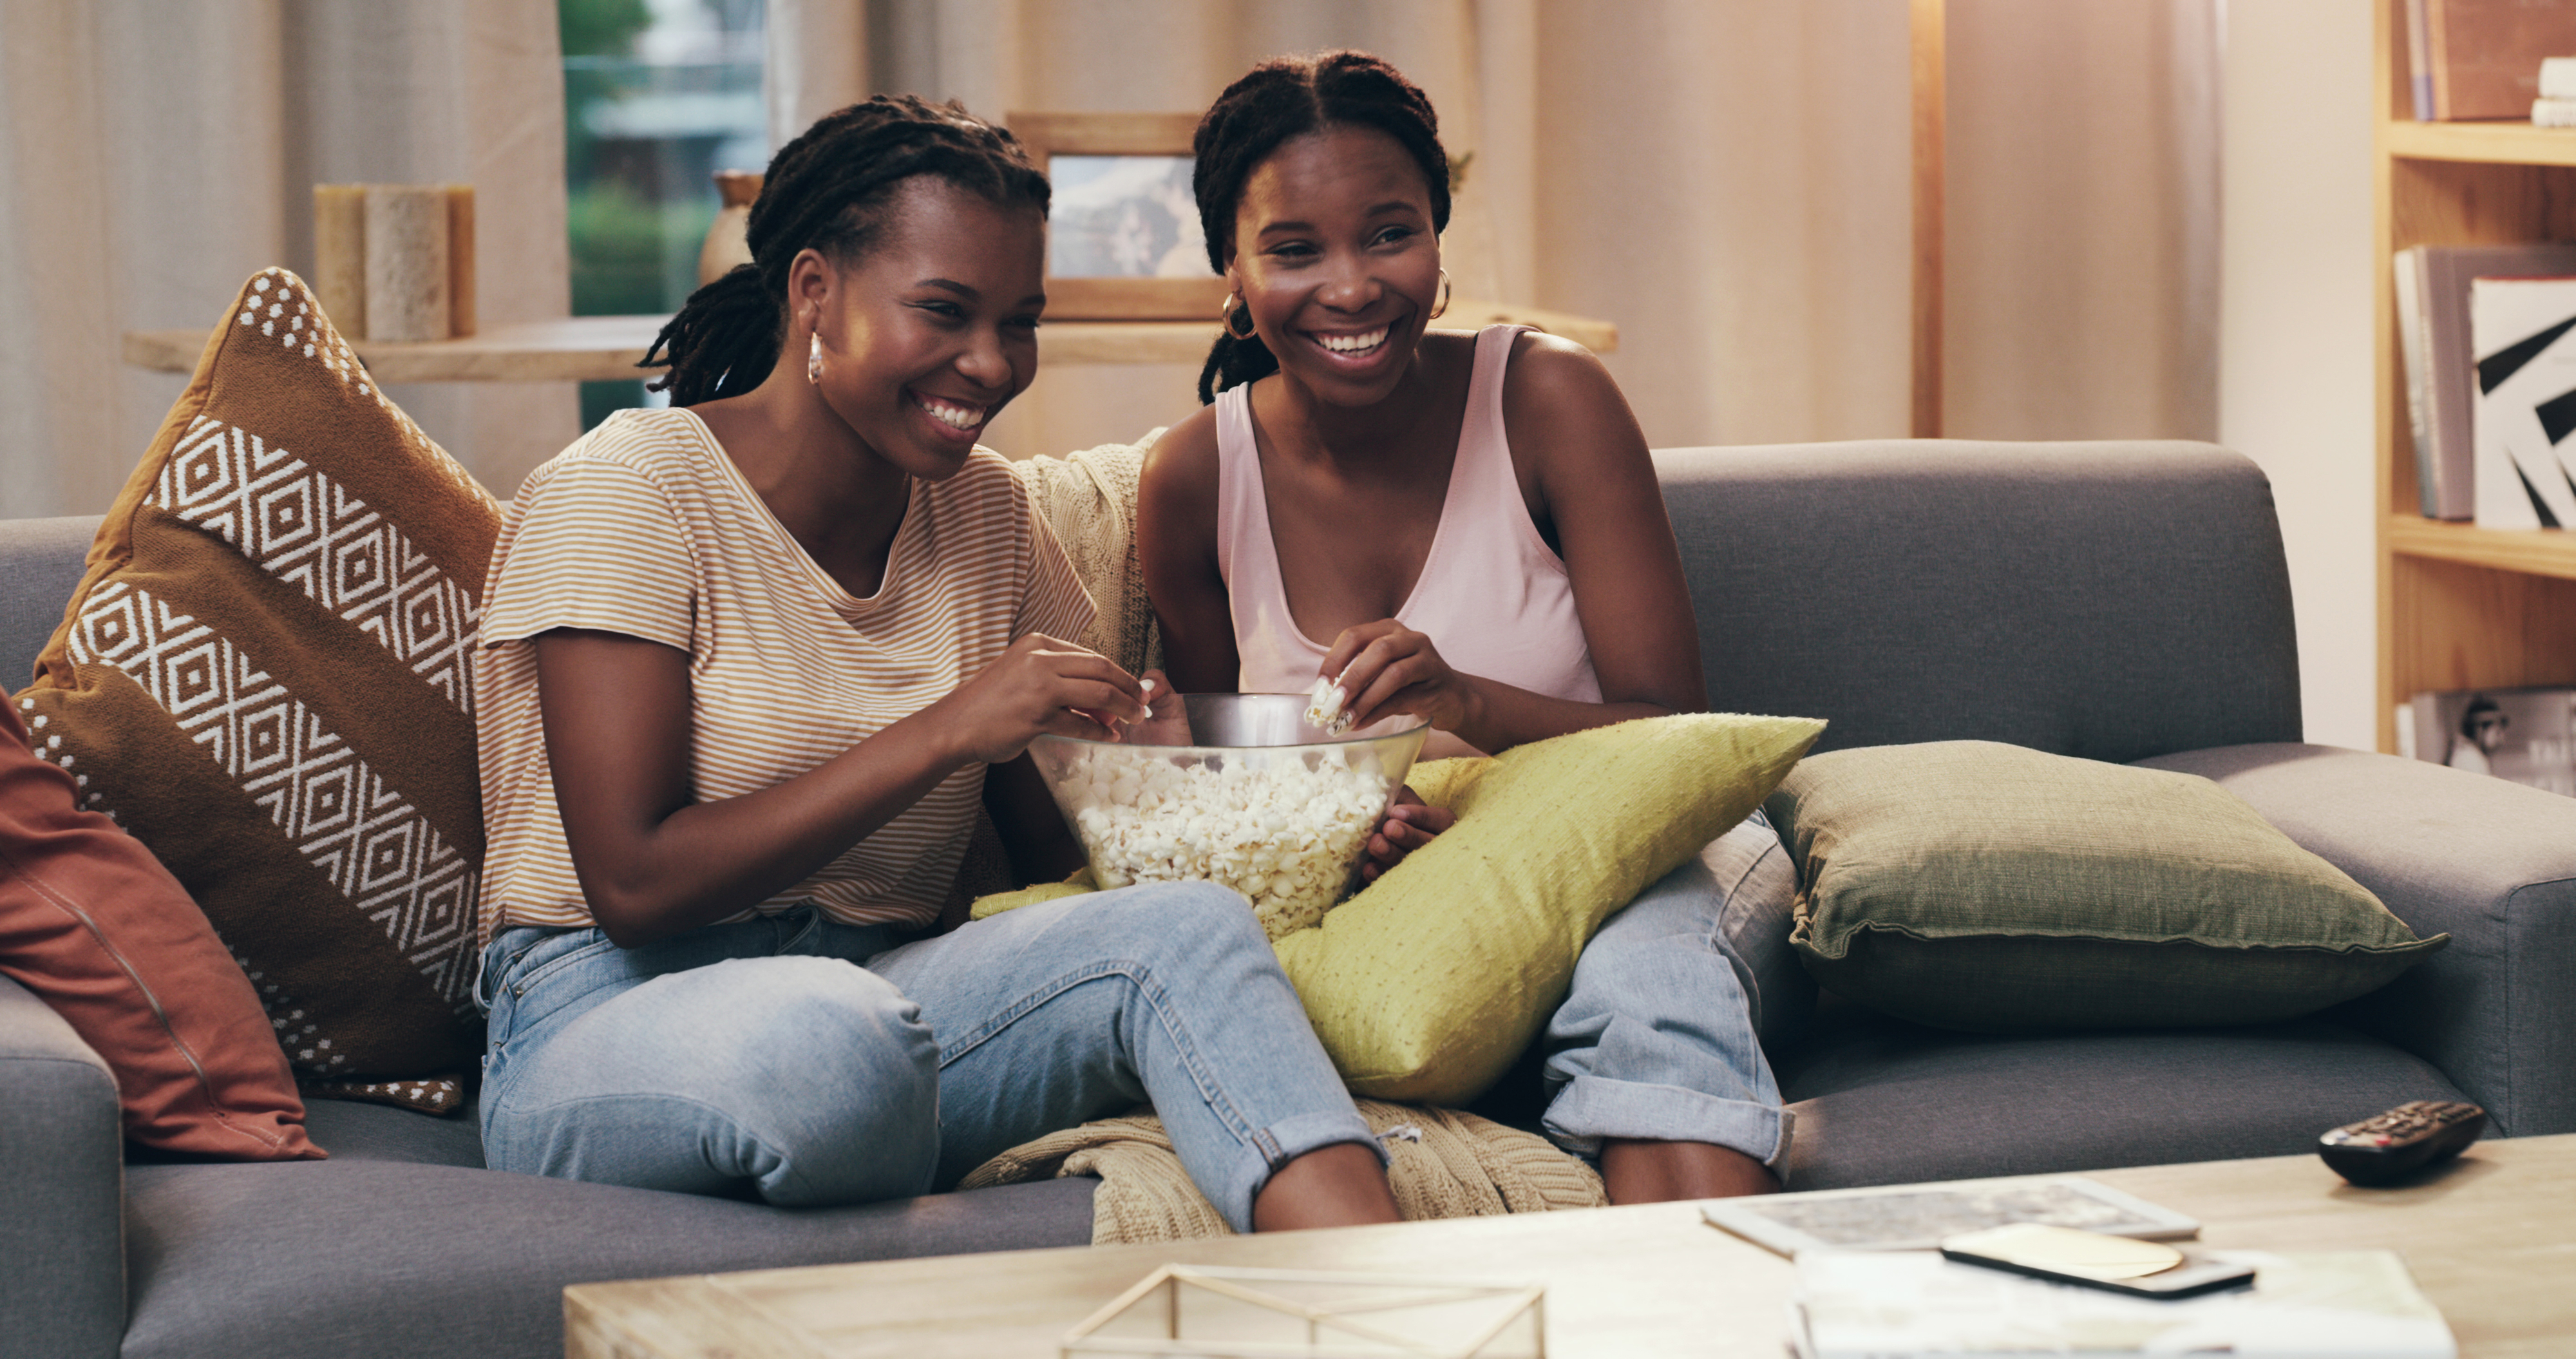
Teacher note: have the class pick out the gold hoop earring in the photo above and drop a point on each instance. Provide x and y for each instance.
(1226, 313)
(1441, 307)
(814, 361)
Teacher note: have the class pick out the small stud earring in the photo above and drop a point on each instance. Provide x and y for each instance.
(814, 361)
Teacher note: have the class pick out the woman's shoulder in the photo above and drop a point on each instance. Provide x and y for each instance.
(1553, 383)
(652, 442)
(1554, 366)
(635, 461)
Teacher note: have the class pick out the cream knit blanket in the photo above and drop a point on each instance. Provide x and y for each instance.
(1089, 499)
(1442, 1163)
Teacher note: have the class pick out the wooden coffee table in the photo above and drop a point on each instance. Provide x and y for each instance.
(2492, 1241)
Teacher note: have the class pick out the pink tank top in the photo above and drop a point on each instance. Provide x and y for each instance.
(1492, 596)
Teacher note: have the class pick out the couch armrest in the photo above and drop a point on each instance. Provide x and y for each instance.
(2491, 863)
(62, 1189)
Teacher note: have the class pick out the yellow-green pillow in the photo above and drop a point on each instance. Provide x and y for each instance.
(1987, 887)
(1427, 985)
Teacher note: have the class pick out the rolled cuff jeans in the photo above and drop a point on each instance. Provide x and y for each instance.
(1656, 1039)
(810, 1062)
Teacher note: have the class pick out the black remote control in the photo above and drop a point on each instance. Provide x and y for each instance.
(2408, 1137)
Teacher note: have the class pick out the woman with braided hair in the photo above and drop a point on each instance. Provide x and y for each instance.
(1463, 527)
(745, 664)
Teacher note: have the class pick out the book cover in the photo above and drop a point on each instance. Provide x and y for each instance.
(2527, 736)
(2442, 274)
(2419, 61)
(2412, 353)
(2519, 329)
(2484, 55)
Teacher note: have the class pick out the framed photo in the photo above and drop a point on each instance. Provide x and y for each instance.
(1123, 239)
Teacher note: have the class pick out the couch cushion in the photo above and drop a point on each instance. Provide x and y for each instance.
(1983, 886)
(2111, 600)
(40, 562)
(393, 1261)
(1881, 1101)
(2492, 863)
(264, 676)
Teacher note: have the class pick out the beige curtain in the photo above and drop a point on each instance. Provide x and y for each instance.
(154, 155)
(1725, 179)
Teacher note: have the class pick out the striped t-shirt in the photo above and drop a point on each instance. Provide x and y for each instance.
(645, 528)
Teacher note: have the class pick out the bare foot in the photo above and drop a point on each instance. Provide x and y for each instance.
(1337, 1186)
(1637, 1171)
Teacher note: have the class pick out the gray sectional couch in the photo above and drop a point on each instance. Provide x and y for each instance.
(2123, 602)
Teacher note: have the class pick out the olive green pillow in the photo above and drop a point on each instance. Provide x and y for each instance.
(1988, 887)
(1427, 985)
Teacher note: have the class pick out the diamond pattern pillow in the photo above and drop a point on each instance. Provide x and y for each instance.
(263, 677)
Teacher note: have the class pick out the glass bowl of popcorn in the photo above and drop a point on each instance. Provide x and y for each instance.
(1238, 789)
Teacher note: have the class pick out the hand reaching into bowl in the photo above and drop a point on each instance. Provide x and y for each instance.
(1384, 667)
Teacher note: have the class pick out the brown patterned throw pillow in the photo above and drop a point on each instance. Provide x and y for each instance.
(263, 678)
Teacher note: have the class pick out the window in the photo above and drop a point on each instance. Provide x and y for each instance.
(658, 96)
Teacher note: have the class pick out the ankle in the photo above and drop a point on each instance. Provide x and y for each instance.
(1341, 1185)
(1636, 1170)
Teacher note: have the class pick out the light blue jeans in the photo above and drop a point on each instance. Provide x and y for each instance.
(812, 1063)
(1656, 1040)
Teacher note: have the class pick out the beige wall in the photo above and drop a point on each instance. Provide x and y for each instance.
(2295, 372)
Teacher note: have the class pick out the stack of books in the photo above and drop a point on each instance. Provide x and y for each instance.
(2484, 336)
(1873, 1282)
(2480, 59)
(2359, 1304)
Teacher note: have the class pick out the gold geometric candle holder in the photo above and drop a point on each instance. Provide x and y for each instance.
(1201, 1312)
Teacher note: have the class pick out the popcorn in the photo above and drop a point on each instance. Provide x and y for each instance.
(1284, 826)
(1324, 707)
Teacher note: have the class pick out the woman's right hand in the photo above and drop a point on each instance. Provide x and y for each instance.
(1385, 667)
(1040, 685)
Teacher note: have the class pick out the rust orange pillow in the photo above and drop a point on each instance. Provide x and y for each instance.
(92, 924)
(262, 677)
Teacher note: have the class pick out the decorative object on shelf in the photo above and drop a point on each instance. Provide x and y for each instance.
(340, 255)
(396, 260)
(725, 246)
(1208, 1312)
(2480, 59)
(1123, 238)
(406, 242)
(2526, 368)
(2525, 736)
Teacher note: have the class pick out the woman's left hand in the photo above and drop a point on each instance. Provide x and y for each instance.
(1385, 667)
(1410, 824)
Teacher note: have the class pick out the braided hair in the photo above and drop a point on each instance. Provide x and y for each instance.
(829, 190)
(1279, 100)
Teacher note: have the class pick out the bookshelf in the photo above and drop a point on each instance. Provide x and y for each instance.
(2459, 606)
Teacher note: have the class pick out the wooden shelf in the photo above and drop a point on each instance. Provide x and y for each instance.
(2490, 143)
(606, 348)
(2532, 552)
(2460, 607)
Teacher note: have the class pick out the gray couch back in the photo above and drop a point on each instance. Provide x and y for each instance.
(40, 563)
(2110, 600)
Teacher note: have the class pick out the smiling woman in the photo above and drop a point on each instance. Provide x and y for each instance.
(747, 663)
(1462, 527)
